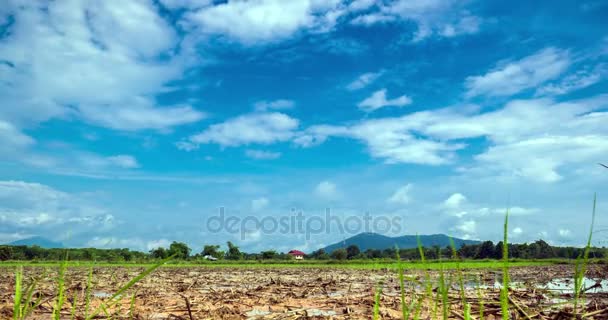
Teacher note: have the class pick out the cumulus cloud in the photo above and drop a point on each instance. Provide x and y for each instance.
(379, 100)
(455, 201)
(255, 128)
(41, 209)
(401, 195)
(467, 229)
(512, 77)
(529, 138)
(260, 21)
(109, 72)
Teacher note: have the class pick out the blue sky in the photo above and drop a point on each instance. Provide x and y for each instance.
(128, 124)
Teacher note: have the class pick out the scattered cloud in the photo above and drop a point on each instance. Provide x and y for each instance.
(326, 190)
(528, 138)
(364, 80)
(379, 100)
(455, 201)
(579, 80)
(259, 204)
(262, 155)
(262, 21)
(467, 228)
(39, 208)
(124, 161)
(564, 233)
(432, 17)
(401, 195)
(255, 128)
(281, 104)
(109, 72)
(511, 77)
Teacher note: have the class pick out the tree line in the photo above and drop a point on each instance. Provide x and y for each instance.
(181, 251)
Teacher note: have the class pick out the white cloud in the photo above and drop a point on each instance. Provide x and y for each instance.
(280, 104)
(262, 155)
(540, 158)
(372, 18)
(255, 128)
(378, 100)
(259, 204)
(160, 243)
(468, 228)
(432, 17)
(109, 72)
(455, 201)
(326, 189)
(140, 115)
(40, 208)
(401, 195)
(13, 141)
(529, 138)
(580, 79)
(123, 161)
(564, 233)
(252, 22)
(358, 5)
(517, 231)
(512, 77)
(466, 25)
(364, 80)
(185, 4)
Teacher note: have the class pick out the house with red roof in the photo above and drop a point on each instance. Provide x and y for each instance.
(297, 254)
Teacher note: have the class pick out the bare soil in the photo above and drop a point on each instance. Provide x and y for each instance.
(302, 293)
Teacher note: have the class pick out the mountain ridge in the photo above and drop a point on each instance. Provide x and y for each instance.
(37, 241)
(370, 240)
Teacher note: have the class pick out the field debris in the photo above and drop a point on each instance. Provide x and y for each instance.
(539, 292)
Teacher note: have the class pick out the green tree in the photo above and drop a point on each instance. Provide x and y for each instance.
(233, 252)
(352, 251)
(339, 254)
(159, 253)
(6, 253)
(212, 250)
(319, 254)
(179, 250)
(267, 255)
(485, 251)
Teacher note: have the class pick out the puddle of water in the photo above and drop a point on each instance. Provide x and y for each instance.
(257, 313)
(566, 285)
(101, 294)
(320, 313)
(497, 285)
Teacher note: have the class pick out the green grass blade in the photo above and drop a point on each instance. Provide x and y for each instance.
(581, 266)
(504, 292)
(377, 295)
(18, 294)
(128, 286)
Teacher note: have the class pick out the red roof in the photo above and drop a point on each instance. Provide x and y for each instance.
(296, 253)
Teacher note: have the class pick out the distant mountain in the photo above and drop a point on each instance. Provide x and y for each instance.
(37, 241)
(377, 241)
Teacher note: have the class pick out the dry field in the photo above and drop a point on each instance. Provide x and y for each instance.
(305, 293)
